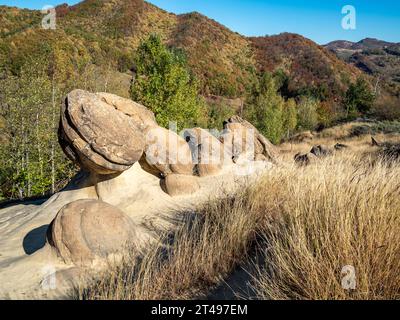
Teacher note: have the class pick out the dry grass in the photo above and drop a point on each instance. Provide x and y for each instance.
(202, 252)
(328, 216)
(309, 223)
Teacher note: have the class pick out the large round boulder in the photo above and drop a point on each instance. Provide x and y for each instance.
(247, 141)
(180, 185)
(166, 153)
(98, 136)
(207, 151)
(87, 231)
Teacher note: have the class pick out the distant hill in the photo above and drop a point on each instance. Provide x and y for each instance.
(373, 56)
(105, 34)
(308, 64)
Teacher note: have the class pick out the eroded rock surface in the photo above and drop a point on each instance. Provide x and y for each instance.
(166, 153)
(143, 117)
(246, 139)
(178, 185)
(135, 177)
(86, 231)
(208, 153)
(97, 136)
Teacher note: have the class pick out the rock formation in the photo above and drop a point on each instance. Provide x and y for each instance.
(246, 139)
(98, 136)
(88, 230)
(318, 152)
(208, 153)
(321, 151)
(305, 159)
(107, 135)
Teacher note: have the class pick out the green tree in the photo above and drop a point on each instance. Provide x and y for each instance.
(359, 98)
(265, 109)
(164, 84)
(307, 113)
(31, 161)
(24, 156)
(290, 117)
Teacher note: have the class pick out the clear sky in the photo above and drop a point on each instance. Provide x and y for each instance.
(319, 20)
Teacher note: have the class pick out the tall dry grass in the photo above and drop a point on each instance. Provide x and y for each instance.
(204, 250)
(340, 212)
(309, 223)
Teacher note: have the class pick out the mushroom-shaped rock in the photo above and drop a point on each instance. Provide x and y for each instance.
(86, 231)
(239, 142)
(207, 151)
(166, 153)
(142, 116)
(257, 141)
(98, 136)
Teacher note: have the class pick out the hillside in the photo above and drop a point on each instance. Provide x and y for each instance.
(105, 33)
(310, 66)
(373, 56)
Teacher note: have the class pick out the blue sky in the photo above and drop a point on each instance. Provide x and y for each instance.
(319, 20)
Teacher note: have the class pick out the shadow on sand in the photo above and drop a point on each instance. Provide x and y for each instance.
(35, 239)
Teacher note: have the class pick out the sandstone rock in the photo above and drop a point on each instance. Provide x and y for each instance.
(374, 142)
(85, 231)
(261, 144)
(321, 151)
(302, 136)
(178, 184)
(240, 142)
(142, 116)
(340, 146)
(208, 152)
(166, 153)
(98, 136)
(305, 159)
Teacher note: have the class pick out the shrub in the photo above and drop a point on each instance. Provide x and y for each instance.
(164, 84)
(307, 113)
(290, 117)
(265, 109)
(359, 98)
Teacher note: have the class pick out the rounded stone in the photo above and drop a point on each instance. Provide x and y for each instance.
(208, 152)
(85, 231)
(166, 153)
(97, 135)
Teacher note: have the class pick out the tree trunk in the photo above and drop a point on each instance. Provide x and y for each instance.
(53, 119)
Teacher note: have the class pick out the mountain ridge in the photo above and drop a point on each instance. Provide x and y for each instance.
(373, 56)
(225, 62)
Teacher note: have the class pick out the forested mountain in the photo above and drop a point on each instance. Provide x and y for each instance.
(282, 83)
(105, 33)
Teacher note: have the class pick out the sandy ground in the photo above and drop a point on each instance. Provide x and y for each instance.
(30, 269)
